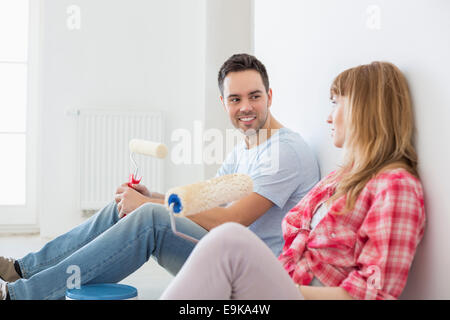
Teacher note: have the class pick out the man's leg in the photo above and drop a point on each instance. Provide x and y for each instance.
(63, 246)
(116, 253)
(231, 262)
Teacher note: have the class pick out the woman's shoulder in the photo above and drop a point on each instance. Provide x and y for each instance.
(396, 172)
(394, 178)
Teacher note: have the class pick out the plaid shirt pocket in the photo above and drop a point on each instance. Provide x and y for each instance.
(326, 242)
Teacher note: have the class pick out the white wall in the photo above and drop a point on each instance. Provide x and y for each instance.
(139, 54)
(229, 30)
(305, 44)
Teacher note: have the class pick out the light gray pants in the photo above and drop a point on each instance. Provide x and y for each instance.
(231, 262)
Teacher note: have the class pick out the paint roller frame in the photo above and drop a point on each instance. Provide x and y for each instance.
(144, 147)
(174, 227)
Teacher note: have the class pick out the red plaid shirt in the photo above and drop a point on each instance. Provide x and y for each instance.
(368, 251)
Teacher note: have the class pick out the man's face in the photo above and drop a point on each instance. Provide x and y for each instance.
(246, 100)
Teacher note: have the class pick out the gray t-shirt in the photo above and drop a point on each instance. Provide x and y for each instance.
(283, 170)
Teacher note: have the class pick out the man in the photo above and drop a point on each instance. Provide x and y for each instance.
(107, 248)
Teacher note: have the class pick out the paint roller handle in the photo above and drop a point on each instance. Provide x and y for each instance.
(132, 180)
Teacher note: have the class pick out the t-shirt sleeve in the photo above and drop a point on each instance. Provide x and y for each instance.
(278, 175)
(228, 165)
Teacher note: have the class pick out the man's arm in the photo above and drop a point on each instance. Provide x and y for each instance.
(156, 198)
(244, 211)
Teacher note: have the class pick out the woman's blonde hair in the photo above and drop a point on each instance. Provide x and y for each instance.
(379, 124)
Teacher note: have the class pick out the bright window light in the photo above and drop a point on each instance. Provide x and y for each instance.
(12, 169)
(14, 30)
(13, 97)
(13, 100)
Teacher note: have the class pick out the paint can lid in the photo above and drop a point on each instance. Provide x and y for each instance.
(102, 291)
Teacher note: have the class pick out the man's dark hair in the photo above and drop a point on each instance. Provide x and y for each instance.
(242, 62)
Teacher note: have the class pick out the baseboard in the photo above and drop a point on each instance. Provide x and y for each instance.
(23, 229)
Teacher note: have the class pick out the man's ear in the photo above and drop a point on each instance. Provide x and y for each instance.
(223, 103)
(269, 97)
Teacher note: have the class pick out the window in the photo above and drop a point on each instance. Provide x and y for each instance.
(17, 197)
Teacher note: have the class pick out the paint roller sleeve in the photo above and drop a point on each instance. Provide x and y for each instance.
(205, 195)
(149, 148)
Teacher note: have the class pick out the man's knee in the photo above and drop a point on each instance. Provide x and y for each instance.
(150, 213)
(109, 210)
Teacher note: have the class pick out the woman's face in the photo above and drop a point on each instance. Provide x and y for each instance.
(336, 119)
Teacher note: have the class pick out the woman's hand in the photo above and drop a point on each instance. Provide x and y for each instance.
(324, 293)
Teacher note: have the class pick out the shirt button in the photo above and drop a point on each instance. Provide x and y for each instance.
(333, 235)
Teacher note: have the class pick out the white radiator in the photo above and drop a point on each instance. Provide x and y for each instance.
(103, 137)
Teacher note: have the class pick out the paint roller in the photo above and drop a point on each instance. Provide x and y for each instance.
(145, 147)
(148, 148)
(205, 195)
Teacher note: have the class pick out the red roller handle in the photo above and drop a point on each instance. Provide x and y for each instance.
(131, 181)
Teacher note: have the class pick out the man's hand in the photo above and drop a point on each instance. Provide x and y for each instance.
(138, 187)
(142, 190)
(129, 199)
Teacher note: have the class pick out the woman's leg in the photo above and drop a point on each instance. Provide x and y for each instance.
(63, 246)
(231, 262)
(115, 254)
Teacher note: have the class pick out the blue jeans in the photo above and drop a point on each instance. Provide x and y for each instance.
(106, 249)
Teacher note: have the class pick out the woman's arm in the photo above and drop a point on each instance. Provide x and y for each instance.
(324, 293)
(393, 227)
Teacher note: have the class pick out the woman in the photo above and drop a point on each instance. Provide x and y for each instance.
(354, 235)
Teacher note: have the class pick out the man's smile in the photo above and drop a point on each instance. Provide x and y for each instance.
(247, 119)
